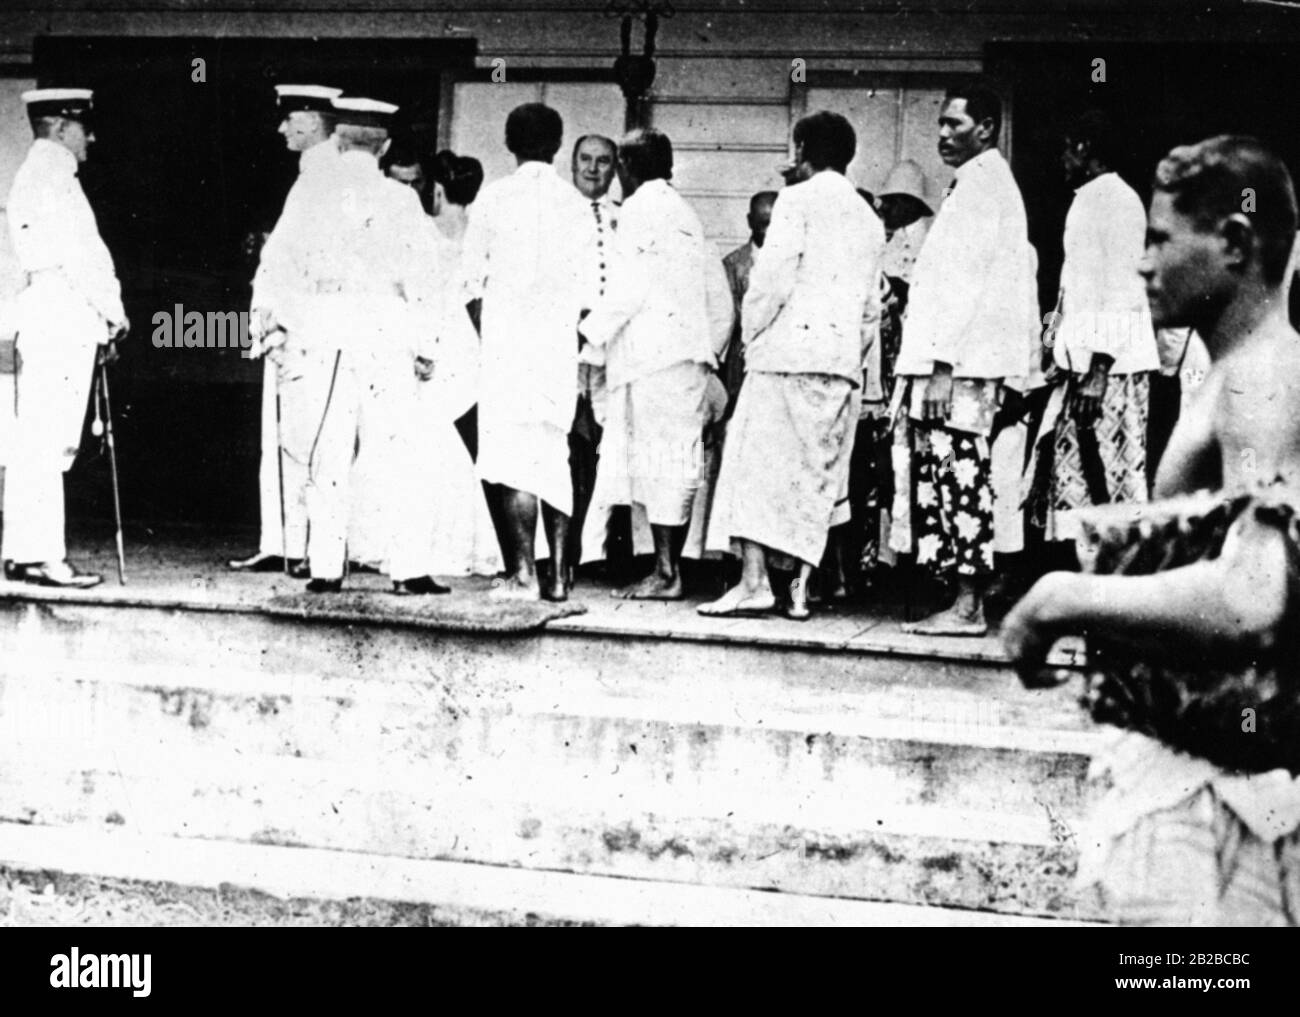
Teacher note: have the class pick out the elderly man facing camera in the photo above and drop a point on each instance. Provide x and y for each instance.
(594, 159)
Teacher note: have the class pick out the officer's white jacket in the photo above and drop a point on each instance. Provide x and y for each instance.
(365, 266)
(277, 279)
(72, 290)
(667, 300)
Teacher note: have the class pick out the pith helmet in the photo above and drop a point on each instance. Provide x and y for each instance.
(908, 178)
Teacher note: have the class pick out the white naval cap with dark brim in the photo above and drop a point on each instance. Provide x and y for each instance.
(361, 112)
(73, 103)
(305, 98)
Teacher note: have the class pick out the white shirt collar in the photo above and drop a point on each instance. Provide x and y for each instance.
(986, 157)
(535, 168)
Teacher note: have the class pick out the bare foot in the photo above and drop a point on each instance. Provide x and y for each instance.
(514, 588)
(950, 623)
(559, 591)
(653, 587)
(740, 601)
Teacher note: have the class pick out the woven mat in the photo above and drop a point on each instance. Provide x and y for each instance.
(457, 612)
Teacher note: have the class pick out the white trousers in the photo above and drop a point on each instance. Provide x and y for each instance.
(53, 390)
(373, 406)
(34, 514)
(293, 543)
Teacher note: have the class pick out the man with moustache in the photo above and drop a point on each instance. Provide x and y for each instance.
(1189, 607)
(965, 337)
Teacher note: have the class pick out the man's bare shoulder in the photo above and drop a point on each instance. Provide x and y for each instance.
(1258, 401)
(1266, 368)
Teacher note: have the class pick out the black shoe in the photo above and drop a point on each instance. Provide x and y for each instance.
(325, 586)
(361, 567)
(299, 568)
(420, 585)
(60, 574)
(258, 563)
(15, 572)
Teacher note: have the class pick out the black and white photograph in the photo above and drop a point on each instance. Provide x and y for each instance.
(727, 463)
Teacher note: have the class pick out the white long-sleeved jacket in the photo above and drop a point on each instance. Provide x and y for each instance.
(365, 265)
(525, 255)
(667, 300)
(1105, 309)
(279, 277)
(72, 285)
(972, 287)
(812, 306)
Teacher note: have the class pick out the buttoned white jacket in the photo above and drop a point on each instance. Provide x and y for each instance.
(72, 292)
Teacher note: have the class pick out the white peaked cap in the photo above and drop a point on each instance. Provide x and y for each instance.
(305, 97)
(58, 102)
(314, 91)
(353, 109)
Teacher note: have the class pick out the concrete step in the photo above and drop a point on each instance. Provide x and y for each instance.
(124, 878)
(856, 773)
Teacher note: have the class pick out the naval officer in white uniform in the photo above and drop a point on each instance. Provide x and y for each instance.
(292, 372)
(374, 309)
(69, 311)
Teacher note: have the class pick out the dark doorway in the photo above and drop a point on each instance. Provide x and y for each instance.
(184, 172)
(1160, 95)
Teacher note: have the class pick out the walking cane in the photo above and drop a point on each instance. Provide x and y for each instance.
(112, 463)
(279, 470)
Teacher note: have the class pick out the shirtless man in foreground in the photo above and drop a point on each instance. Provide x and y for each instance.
(1213, 267)
(1158, 850)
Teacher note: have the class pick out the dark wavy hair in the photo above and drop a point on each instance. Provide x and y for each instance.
(647, 154)
(1209, 181)
(460, 175)
(828, 140)
(534, 131)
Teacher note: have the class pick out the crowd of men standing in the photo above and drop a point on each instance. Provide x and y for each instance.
(855, 383)
(866, 377)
